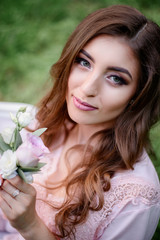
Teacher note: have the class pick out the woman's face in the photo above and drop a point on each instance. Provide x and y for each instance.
(102, 81)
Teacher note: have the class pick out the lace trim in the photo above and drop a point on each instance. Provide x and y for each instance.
(123, 190)
(139, 190)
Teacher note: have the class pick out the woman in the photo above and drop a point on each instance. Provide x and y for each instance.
(99, 182)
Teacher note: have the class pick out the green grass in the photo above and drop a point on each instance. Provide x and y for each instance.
(155, 140)
(32, 34)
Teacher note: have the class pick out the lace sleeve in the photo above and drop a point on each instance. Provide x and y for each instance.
(129, 196)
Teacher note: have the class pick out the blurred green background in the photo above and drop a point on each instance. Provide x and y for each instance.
(32, 34)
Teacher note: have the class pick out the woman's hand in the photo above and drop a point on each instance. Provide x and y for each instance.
(17, 201)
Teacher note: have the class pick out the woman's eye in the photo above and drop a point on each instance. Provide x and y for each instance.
(83, 62)
(117, 80)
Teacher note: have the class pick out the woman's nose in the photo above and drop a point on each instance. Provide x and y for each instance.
(91, 85)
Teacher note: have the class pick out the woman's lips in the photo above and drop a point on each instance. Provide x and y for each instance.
(83, 105)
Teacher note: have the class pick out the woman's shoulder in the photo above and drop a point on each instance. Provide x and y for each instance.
(134, 195)
(138, 185)
(143, 170)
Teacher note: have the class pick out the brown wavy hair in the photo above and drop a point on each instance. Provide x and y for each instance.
(119, 147)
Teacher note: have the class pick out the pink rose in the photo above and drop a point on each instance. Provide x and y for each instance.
(30, 151)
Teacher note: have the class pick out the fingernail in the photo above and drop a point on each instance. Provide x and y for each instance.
(1, 180)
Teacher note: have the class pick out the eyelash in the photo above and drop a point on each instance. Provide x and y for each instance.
(121, 80)
(79, 60)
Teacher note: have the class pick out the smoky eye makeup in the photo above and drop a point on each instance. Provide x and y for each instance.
(115, 79)
(82, 62)
(120, 70)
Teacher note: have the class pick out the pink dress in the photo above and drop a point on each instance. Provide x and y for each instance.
(131, 209)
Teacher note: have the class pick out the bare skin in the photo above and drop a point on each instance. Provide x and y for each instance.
(20, 211)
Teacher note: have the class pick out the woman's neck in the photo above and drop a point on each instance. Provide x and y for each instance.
(81, 133)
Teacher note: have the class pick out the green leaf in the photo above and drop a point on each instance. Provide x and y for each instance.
(21, 174)
(33, 169)
(3, 146)
(18, 139)
(29, 169)
(41, 164)
(22, 109)
(39, 132)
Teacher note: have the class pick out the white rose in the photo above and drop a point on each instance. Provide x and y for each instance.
(24, 118)
(7, 134)
(8, 164)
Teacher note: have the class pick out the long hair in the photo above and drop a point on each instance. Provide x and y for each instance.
(121, 146)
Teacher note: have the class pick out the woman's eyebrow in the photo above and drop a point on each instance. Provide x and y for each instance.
(87, 55)
(120, 69)
(112, 68)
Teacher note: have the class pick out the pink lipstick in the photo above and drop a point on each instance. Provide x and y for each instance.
(83, 105)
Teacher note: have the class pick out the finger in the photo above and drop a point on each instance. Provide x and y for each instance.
(6, 209)
(5, 200)
(27, 192)
(9, 206)
(18, 183)
(10, 189)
